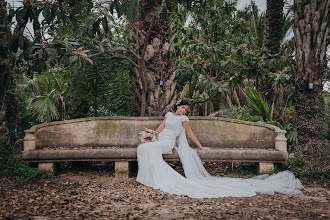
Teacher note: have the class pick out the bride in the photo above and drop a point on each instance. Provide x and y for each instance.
(198, 183)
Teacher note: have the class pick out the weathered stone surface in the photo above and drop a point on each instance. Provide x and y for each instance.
(265, 168)
(280, 142)
(122, 169)
(229, 140)
(29, 136)
(48, 167)
(129, 154)
(29, 145)
(212, 132)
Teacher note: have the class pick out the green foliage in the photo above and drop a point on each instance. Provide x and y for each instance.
(288, 20)
(247, 114)
(326, 96)
(213, 88)
(19, 42)
(216, 43)
(291, 134)
(13, 167)
(131, 9)
(24, 13)
(105, 87)
(235, 169)
(258, 103)
(304, 171)
(241, 113)
(44, 107)
(255, 20)
(39, 98)
(23, 173)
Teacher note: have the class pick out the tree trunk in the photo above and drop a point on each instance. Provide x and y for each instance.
(5, 73)
(8, 104)
(273, 26)
(310, 33)
(272, 41)
(155, 75)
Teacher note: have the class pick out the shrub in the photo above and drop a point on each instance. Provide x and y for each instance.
(326, 96)
(291, 134)
(305, 171)
(13, 167)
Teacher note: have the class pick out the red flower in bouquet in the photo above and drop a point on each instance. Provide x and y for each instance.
(147, 135)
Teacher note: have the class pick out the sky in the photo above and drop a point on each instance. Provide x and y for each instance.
(260, 3)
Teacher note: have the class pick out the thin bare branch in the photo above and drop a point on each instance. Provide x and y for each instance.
(172, 38)
(174, 74)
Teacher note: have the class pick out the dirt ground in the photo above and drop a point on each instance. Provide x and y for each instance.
(95, 194)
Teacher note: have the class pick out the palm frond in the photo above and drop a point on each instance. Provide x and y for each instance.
(257, 102)
(287, 24)
(44, 107)
(258, 22)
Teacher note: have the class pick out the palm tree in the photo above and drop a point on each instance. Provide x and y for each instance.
(149, 53)
(258, 22)
(44, 107)
(44, 97)
(287, 23)
(273, 26)
(311, 28)
(272, 40)
(258, 103)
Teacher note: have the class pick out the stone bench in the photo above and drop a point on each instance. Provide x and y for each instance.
(116, 139)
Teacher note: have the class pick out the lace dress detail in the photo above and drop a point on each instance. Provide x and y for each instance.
(198, 183)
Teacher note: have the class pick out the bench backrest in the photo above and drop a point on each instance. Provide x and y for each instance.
(212, 132)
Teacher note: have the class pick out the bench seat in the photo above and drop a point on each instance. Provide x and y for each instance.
(129, 154)
(116, 139)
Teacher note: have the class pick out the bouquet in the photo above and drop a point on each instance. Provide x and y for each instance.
(147, 135)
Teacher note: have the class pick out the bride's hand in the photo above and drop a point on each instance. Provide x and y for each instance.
(205, 148)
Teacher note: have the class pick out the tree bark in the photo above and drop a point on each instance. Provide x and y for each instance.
(310, 33)
(155, 75)
(272, 41)
(273, 26)
(8, 104)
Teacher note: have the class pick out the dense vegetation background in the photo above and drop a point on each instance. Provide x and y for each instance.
(136, 58)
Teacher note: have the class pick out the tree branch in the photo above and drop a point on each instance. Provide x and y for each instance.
(174, 74)
(115, 50)
(121, 57)
(172, 38)
(293, 69)
(149, 33)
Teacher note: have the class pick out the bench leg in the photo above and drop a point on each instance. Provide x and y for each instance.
(265, 168)
(122, 169)
(48, 167)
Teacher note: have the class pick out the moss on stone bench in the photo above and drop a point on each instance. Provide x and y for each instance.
(89, 139)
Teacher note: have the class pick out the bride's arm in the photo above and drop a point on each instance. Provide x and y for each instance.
(160, 127)
(191, 134)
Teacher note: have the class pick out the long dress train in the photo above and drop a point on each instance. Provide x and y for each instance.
(198, 183)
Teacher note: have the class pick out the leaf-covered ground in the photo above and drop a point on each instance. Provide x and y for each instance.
(95, 194)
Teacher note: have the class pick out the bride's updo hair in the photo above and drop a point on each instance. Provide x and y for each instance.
(181, 102)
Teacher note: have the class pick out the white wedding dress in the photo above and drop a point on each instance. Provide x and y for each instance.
(198, 183)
